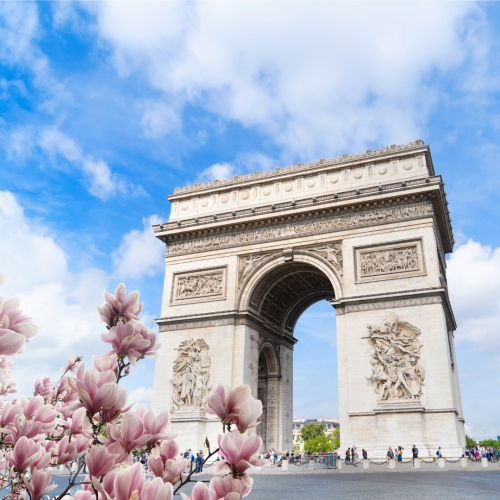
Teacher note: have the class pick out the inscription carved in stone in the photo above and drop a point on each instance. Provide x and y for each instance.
(191, 383)
(388, 261)
(303, 228)
(396, 370)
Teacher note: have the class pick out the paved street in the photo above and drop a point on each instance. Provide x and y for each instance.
(439, 485)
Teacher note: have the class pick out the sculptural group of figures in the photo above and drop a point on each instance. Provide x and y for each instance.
(191, 383)
(396, 369)
(199, 286)
(389, 260)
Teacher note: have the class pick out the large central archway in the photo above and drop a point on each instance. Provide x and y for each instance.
(276, 294)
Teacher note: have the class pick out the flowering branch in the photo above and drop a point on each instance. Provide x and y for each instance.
(85, 417)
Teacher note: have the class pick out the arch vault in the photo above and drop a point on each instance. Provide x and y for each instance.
(246, 256)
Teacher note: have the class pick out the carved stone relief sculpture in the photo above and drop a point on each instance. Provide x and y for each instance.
(389, 261)
(198, 286)
(247, 264)
(191, 383)
(332, 253)
(397, 373)
(386, 261)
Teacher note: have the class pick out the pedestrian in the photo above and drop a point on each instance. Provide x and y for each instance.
(414, 452)
(199, 462)
(390, 456)
(400, 453)
(355, 456)
(439, 453)
(348, 456)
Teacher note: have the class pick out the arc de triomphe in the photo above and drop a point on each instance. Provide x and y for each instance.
(246, 256)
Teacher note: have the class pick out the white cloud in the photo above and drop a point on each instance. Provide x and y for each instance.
(62, 303)
(474, 283)
(103, 184)
(159, 118)
(99, 180)
(140, 252)
(141, 396)
(319, 77)
(219, 171)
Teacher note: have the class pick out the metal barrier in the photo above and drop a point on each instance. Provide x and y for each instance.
(317, 461)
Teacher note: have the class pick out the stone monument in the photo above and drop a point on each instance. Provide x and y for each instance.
(245, 257)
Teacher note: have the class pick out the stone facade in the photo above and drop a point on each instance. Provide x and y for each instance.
(245, 257)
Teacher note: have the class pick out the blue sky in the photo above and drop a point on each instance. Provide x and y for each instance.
(106, 107)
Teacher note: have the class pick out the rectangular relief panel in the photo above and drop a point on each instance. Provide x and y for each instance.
(387, 261)
(201, 285)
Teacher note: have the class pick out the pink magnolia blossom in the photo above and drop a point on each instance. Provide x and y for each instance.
(65, 392)
(5, 364)
(45, 388)
(38, 485)
(11, 318)
(9, 413)
(174, 469)
(240, 452)
(132, 435)
(84, 495)
(229, 488)
(10, 342)
(125, 340)
(72, 364)
(144, 332)
(119, 406)
(235, 406)
(129, 482)
(96, 390)
(158, 425)
(156, 490)
(105, 363)
(200, 492)
(106, 488)
(25, 452)
(67, 451)
(23, 427)
(120, 306)
(79, 423)
(8, 388)
(100, 461)
(168, 449)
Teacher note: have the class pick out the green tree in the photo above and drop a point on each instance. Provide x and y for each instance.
(489, 442)
(470, 442)
(312, 431)
(323, 444)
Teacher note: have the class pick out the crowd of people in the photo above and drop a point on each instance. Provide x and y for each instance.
(476, 453)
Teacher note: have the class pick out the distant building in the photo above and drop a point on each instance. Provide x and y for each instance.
(330, 425)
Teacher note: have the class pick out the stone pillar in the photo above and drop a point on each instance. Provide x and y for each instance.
(366, 464)
(484, 462)
(284, 465)
(339, 464)
(441, 463)
(392, 464)
(463, 463)
(416, 463)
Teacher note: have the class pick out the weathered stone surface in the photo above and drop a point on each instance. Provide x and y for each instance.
(238, 282)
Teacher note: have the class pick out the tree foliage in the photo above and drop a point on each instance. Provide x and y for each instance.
(324, 444)
(470, 442)
(312, 431)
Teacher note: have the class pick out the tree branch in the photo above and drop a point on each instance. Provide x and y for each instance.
(188, 478)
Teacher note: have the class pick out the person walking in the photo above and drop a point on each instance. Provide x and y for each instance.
(199, 462)
(365, 454)
(400, 454)
(390, 456)
(439, 453)
(414, 452)
(355, 456)
(348, 456)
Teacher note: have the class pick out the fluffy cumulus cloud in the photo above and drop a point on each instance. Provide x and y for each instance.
(474, 283)
(140, 253)
(316, 77)
(62, 303)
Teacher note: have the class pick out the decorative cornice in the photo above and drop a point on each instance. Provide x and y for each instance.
(301, 167)
(290, 230)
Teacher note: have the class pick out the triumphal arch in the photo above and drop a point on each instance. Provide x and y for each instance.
(246, 256)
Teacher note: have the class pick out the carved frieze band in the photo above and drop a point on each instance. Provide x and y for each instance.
(399, 259)
(199, 286)
(298, 229)
(389, 304)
